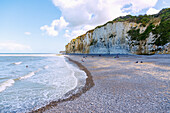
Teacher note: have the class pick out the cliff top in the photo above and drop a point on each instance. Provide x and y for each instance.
(144, 19)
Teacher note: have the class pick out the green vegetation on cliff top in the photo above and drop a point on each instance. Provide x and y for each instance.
(161, 32)
(144, 19)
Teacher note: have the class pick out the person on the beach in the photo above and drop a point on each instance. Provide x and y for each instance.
(140, 61)
(116, 56)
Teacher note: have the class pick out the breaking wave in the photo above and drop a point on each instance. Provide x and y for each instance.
(17, 63)
(6, 84)
(10, 82)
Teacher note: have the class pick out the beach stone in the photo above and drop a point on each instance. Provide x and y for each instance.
(122, 86)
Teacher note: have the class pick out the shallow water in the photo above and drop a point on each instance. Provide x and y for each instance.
(46, 79)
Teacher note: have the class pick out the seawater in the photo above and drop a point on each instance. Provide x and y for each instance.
(31, 82)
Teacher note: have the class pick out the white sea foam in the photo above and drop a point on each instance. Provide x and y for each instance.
(10, 82)
(45, 67)
(6, 84)
(70, 67)
(41, 83)
(17, 63)
(39, 69)
(78, 74)
(27, 76)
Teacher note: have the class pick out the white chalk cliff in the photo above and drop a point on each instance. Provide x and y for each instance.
(114, 38)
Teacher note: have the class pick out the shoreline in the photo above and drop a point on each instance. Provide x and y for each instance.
(70, 95)
(121, 85)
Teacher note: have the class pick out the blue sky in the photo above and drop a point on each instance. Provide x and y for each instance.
(46, 26)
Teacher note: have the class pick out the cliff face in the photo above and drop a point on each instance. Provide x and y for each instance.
(126, 35)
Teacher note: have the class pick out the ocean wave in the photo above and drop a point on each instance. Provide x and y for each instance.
(10, 82)
(45, 67)
(69, 66)
(30, 74)
(6, 84)
(17, 63)
(78, 89)
(79, 75)
(39, 69)
(27, 76)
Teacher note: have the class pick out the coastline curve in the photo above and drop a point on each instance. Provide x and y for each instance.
(73, 94)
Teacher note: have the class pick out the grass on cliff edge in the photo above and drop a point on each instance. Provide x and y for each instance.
(161, 32)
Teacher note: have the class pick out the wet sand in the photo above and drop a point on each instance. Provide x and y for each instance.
(121, 85)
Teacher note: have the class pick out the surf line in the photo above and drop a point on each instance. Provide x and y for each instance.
(89, 84)
(10, 82)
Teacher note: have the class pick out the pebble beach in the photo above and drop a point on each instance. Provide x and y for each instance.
(123, 84)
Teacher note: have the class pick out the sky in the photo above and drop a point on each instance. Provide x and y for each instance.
(46, 26)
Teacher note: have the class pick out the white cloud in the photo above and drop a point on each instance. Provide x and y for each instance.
(12, 46)
(49, 30)
(138, 5)
(82, 13)
(164, 2)
(70, 34)
(152, 11)
(27, 33)
(56, 26)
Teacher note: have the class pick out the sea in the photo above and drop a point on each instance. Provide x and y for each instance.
(31, 81)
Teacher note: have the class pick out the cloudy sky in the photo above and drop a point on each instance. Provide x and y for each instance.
(46, 26)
